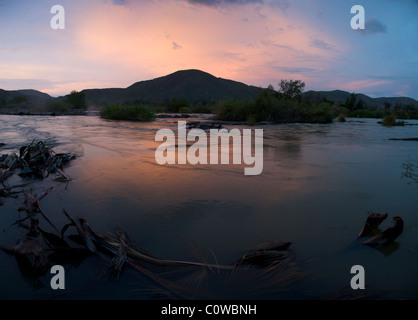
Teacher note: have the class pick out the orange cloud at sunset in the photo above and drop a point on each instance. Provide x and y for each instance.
(235, 44)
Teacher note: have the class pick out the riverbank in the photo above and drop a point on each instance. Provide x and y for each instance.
(74, 112)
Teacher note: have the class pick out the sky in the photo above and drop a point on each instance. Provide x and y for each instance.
(115, 43)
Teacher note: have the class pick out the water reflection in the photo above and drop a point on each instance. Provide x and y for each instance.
(316, 188)
(409, 171)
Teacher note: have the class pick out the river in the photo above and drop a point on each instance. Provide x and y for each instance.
(318, 185)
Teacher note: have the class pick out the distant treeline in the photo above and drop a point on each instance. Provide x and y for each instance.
(359, 109)
(284, 106)
(21, 102)
(287, 104)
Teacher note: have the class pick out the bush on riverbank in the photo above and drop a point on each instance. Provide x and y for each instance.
(57, 106)
(127, 112)
(390, 121)
(374, 113)
(271, 106)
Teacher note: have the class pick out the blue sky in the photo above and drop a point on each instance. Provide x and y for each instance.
(114, 43)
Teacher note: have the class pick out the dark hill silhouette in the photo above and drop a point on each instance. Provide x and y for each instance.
(23, 99)
(192, 85)
(29, 93)
(339, 97)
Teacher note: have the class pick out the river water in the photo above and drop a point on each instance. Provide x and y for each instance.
(319, 183)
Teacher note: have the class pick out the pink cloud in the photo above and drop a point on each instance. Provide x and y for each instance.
(109, 43)
(140, 39)
(359, 85)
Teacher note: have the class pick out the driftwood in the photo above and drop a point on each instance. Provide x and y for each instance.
(372, 223)
(387, 236)
(38, 250)
(36, 160)
(383, 241)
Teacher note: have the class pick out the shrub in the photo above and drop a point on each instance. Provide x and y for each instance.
(77, 100)
(232, 110)
(251, 120)
(58, 106)
(204, 109)
(321, 113)
(368, 113)
(176, 104)
(185, 110)
(389, 120)
(127, 112)
(269, 107)
(341, 117)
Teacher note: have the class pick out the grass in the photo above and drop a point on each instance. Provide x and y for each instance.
(127, 112)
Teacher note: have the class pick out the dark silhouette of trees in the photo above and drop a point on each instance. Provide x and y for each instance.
(291, 89)
(350, 102)
(77, 100)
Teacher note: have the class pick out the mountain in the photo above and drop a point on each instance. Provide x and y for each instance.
(196, 86)
(30, 93)
(23, 99)
(200, 87)
(193, 85)
(339, 97)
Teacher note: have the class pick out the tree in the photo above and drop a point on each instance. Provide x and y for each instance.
(350, 103)
(77, 100)
(176, 104)
(292, 89)
(360, 105)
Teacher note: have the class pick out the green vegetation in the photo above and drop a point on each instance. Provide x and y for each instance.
(357, 108)
(390, 121)
(128, 112)
(76, 100)
(283, 106)
(57, 106)
(176, 105)
(194, 91)
(368, 113)
(18, 100)
(291, 89)
(341, 117)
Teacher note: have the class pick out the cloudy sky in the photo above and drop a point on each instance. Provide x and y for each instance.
(114, 43)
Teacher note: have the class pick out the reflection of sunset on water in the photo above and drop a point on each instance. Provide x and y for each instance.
(317, 186)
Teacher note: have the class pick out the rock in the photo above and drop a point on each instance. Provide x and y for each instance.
(404, 139)
(164, 116)
(204, 125)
